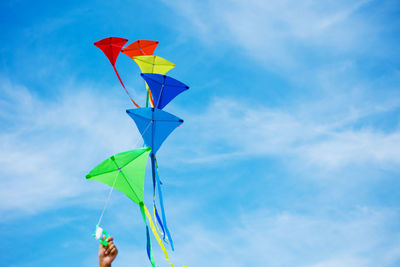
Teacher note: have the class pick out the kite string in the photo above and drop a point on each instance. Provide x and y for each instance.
(109, 197)
(115, 180)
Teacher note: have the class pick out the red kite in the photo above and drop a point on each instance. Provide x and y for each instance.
(111, 47)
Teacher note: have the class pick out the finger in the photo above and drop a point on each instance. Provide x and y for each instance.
(111, 243)
(109, 249)
(113, 251)
(110, 239)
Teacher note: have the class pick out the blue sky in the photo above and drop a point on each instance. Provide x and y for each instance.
(289, 154)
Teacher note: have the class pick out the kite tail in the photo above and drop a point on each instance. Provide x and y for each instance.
(148, 248)
(164, 220)
(146, 213)
(158, 219)
(156, 216)
(147, 100)
(148, 243)
(126, 91)
(151, 99)
(149, 96)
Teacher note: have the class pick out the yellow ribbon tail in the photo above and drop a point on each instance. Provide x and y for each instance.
(154, 230)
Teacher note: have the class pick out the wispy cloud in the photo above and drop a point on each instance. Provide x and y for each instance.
(243, 176)
(47, 146)
(239, 130)
(276, 31)
(260, 238)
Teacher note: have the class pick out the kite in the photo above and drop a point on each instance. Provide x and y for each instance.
(163, 88)
(153, 64)
(125, 171)
(155, 125)
(111, 47)
(140, 48)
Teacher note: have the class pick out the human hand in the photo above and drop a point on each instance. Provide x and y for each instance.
(107, 254)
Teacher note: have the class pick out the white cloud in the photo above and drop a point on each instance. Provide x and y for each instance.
(259, 238)
(275, 31)
(239, 130)
(47, 146)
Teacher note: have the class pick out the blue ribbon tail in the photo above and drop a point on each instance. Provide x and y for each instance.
(163, 212)
(148, 244)
(160, 198)
(159, 221)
